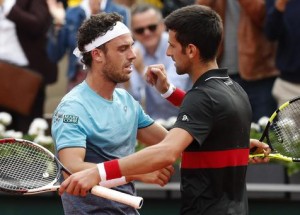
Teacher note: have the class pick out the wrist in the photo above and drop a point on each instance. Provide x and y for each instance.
(114, 182)
(169, 92)
(109, 170)
(129, 178)
(176, 97)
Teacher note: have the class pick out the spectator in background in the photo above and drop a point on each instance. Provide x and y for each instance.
(23, 28)
(283, 25)
(62, 35)
(151, 44)
(246, 51)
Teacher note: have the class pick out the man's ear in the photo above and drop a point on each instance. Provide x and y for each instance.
(191, 50)
(97, 55)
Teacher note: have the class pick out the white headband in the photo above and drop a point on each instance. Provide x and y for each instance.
(118, 30)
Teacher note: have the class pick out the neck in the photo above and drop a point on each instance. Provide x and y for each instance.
(201, 68)
(101, 85)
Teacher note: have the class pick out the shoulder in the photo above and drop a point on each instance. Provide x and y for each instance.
(70, 104)
(197, 95)
(120, 92)
(75, 98)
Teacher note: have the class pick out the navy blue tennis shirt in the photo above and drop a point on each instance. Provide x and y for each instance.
(217, 113)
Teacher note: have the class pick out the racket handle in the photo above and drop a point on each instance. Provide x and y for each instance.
(133, 201)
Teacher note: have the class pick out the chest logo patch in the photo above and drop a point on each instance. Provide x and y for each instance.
(70, 119)
(185, 118)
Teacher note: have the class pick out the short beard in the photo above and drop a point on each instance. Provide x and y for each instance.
(109, 71)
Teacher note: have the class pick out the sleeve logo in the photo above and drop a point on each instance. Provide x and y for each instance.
(70, 119)
(185, 118)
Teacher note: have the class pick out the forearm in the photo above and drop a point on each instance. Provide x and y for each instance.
(147, 160)
(78, 165)
(153, 157)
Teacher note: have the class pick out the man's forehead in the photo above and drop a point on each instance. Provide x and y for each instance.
(172, 36)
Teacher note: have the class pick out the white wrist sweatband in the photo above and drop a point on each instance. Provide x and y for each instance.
(113, 182)
(102, 171)
(171, 89)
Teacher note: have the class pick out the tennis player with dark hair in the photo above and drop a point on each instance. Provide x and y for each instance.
(211, 133)
(97, 122)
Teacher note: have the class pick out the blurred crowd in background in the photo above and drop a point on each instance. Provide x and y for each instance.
(261, 45)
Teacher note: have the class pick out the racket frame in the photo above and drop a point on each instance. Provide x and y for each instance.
(46, 188)
(265, 134)
(114, 195)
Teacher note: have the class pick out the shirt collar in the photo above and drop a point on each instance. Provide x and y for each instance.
(211, 74)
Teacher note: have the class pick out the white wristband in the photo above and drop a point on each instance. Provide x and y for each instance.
(113, 182)
(171, 89)
(102, 171)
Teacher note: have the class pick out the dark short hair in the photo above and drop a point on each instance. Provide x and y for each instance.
(198, 25)
(95, 26)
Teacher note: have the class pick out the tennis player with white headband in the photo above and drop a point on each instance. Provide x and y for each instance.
(118, 30)
(97, 122)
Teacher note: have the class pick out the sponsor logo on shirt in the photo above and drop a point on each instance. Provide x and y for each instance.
(70, 119)
(228, 82)
(57, 117)
(185, 118)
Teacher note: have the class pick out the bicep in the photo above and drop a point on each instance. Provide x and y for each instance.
(152, 134)
(178, 139)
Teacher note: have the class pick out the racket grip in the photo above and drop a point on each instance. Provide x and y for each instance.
(133, 201)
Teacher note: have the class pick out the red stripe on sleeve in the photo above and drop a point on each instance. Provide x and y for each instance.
(215, 159)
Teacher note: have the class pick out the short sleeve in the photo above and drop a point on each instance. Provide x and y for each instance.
(68, 125)
(144, 120)
(196, 115)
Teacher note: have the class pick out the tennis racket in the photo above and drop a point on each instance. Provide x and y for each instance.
(282, 133)
(27, 168)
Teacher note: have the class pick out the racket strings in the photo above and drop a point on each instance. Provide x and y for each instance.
(284, 133)
(24, 166)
